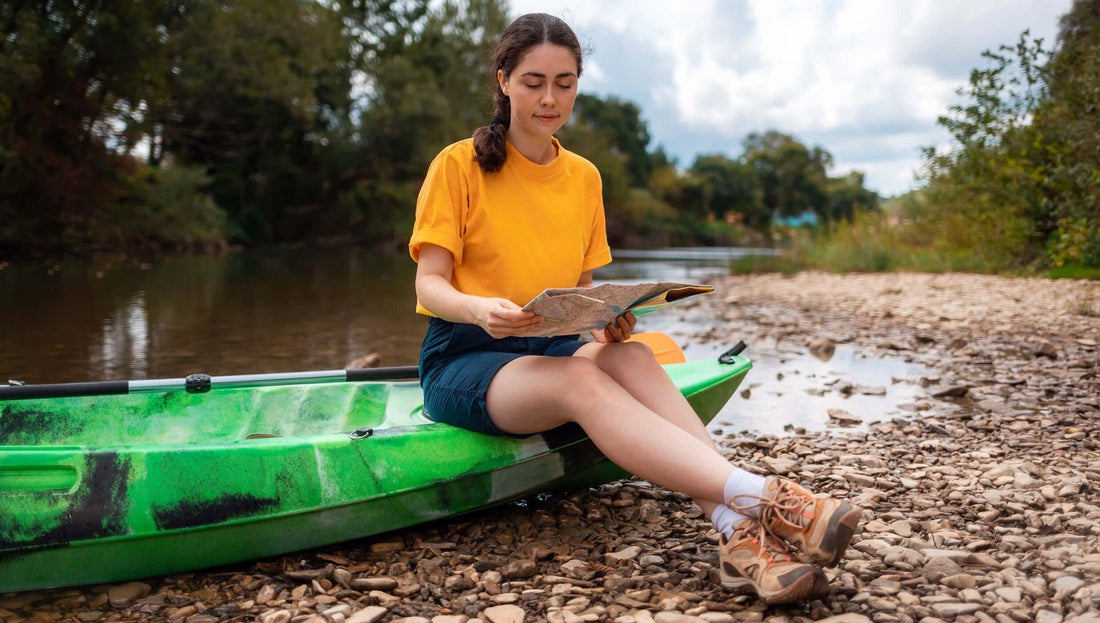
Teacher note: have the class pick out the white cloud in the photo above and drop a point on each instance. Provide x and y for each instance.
(865, 79)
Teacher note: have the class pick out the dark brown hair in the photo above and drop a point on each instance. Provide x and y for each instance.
(520, 36)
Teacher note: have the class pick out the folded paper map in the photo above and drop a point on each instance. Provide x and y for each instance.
(566, 311)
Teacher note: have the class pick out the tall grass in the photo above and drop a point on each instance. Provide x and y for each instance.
(877, 242)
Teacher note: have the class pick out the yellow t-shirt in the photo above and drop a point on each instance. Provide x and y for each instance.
(516, 232)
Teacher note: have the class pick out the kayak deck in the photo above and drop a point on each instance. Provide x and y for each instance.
(105, 488)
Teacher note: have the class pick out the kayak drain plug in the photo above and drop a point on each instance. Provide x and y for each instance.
(197, 383)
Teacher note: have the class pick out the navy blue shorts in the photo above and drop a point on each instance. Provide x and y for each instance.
(458, 361)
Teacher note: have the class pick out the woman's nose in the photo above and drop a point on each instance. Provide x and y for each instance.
(547, 96)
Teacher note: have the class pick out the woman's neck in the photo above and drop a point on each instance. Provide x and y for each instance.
(540, 150)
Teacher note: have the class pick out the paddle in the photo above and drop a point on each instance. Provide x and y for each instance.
(664, 347)
(198, 383)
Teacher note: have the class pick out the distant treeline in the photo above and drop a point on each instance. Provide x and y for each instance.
(1018, 189)
(189, 123)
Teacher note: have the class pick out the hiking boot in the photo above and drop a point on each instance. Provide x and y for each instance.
(753, 560)
(820, 527)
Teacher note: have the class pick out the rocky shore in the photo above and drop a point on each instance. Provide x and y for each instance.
(982, 502)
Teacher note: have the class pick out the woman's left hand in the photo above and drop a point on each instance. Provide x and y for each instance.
(618, 331)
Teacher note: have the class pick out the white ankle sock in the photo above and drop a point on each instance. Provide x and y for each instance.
(725, 518)
(743, 483)
(739, 483)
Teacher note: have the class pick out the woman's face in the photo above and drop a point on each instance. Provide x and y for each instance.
(541, 89)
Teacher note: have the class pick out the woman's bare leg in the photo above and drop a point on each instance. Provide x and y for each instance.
(633, 366)
(533, 394)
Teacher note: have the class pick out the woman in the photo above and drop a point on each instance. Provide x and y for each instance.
(511, 212)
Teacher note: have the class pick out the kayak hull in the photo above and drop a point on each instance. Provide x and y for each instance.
(163, 498)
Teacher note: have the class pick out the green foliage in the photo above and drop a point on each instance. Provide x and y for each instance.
(69, 70)
(792, 176)
(1076, 271)
(265, 121)
(166, 206)
(620, 121)
(1018, 187)
(734, 186)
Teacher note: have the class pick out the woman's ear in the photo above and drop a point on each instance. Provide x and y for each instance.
(502, 81)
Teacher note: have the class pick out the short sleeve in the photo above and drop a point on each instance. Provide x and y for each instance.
(441, 207)
(599, 252)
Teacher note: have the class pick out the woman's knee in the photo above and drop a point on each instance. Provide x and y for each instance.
(630, 357)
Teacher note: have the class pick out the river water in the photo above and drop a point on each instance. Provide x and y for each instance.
(120, 318)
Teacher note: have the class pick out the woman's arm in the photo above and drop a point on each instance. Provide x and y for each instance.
(499, 317)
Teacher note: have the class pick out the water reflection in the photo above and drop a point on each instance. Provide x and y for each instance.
(123, 345)
(791, 386)
(267, 311)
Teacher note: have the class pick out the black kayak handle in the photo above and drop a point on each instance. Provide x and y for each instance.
(736, 349)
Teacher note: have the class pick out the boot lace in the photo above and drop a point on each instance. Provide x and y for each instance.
(771, 548)
(789, 508)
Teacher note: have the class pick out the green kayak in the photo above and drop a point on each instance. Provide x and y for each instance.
(102, 488)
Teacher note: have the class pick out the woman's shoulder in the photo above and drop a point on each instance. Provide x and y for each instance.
(578, 163)
(460, 151)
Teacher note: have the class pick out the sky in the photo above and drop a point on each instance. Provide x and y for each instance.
(863, 79)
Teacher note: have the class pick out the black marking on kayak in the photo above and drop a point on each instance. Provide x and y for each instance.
(563, 435)
(30, 427)
(97, 510)
(191, 513)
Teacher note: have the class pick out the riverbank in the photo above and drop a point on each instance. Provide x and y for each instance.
(982, 502)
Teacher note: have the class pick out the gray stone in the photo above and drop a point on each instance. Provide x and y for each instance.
(1065, 586)
(627, 553)
(122, 595)
(937, 568)
(370, 614)
(959, 580)
(519, 569)
(374, 584)
(675, 617)
(955, 609)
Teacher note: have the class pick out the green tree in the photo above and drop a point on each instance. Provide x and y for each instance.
(242, 102)
(1069, 123)
(986, 193)
(69, 71)
(793, 177)
(621, 122)
(847, 196)
(734, 186)
(427, 84)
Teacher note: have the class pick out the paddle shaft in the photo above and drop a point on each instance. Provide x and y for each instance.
(199, 383)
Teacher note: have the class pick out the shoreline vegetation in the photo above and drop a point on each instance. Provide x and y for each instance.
(164, 129)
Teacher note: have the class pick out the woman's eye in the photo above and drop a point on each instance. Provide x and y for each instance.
(565, 86)
(534, 86)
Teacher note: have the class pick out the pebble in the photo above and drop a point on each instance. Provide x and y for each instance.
(370, 614)
(980, 506)
(122, 595)
(504, 614)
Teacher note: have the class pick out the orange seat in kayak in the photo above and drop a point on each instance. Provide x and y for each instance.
(664, 347)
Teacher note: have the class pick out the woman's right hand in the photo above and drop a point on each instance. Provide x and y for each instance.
(503, 318)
